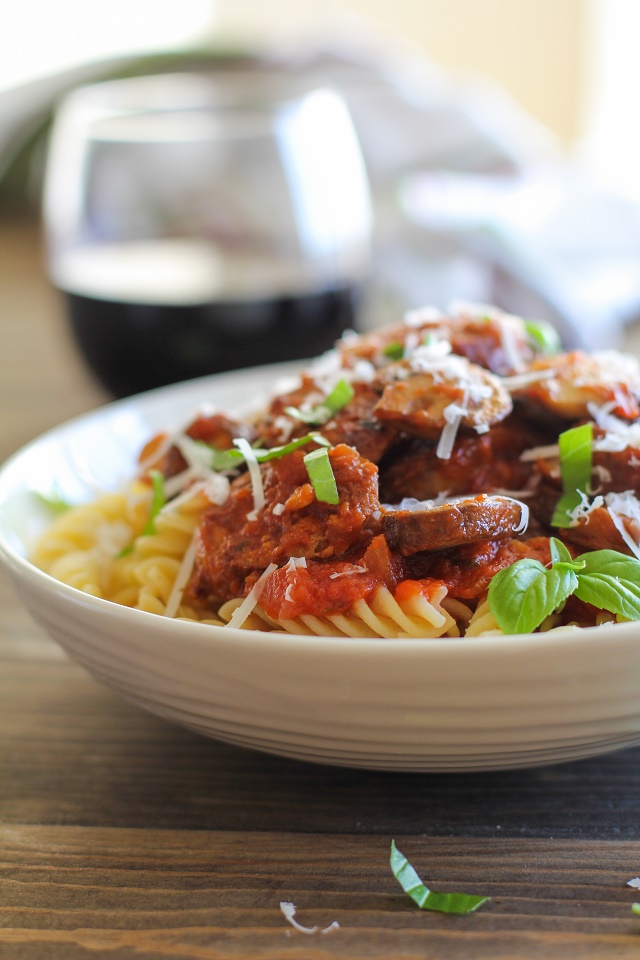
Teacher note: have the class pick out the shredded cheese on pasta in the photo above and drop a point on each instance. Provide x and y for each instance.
(241, 613)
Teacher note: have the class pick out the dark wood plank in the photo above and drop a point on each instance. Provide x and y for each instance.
(69, 892)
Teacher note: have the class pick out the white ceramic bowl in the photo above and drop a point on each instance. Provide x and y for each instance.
(424, 705)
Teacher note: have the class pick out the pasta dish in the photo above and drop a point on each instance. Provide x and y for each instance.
(454, 474)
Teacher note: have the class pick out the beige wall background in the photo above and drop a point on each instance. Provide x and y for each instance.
(538, 50)
(571, 64)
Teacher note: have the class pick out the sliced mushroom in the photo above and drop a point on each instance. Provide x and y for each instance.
(427, 526)
(570, 382)
(424, 398)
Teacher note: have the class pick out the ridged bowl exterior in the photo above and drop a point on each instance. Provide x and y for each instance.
(406, 705)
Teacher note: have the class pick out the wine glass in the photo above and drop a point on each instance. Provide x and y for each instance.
(200, 223)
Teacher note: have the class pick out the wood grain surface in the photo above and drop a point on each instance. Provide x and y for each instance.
(122, 836)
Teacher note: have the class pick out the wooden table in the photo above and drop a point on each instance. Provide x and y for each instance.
(124, 837)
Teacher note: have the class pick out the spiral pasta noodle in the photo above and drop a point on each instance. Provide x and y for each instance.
(382, 616)
(99, 548)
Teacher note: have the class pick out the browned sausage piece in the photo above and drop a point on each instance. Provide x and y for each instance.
(454, 523)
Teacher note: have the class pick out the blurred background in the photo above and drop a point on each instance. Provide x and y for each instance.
(501, 138)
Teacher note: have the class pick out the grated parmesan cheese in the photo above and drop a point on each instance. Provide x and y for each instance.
(362, 372)
(355, 568)
(549, 452)
(327, 371)
(289, 912)
(294, 563)
(623, 506)
(410, 503)
(182, 578)
(521, 380)
(524, 517)
(448, 438)
(255, 475)
(421, 316)
(613, 365)
(157, 455)
(508, 331)
(349, 337)
(618, 436)
(284, 425)
(453, 414)
(241, 613)
(584, 508)
(278, 509)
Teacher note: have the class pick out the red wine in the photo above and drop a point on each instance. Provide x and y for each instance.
(132, 347)
(145, 315)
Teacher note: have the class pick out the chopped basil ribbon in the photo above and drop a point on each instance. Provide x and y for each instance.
(53, 502)
(429, 899)
(394, 350)
(635, 908)
(543, 337)
(575, 467)
(158, 501)
(321, 476)
(332, 404)
(524, 594)
(222, 460)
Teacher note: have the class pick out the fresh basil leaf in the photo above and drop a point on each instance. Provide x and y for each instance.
(635, 908)
(559, 552)
(394, 350)
(610, 581)
(522, 595)
(543, 337)
(425, 898)
(560, 556)
(575, 466)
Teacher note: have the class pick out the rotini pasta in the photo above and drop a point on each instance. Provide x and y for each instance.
(381, 616)
(99, 549)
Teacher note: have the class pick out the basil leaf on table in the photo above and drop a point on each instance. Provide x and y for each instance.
(428, 899)
(521, 596)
